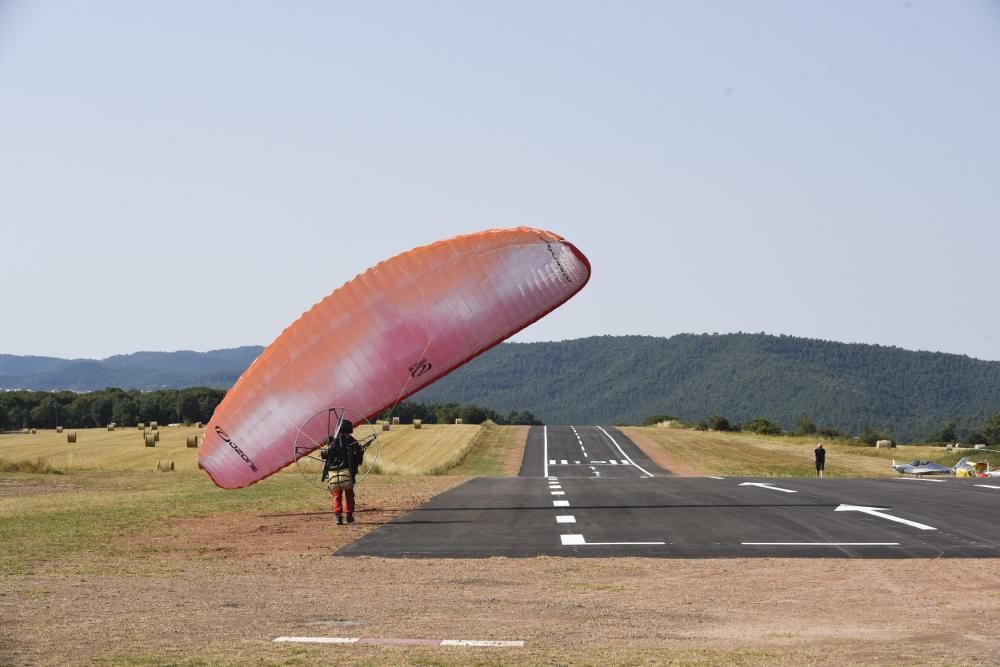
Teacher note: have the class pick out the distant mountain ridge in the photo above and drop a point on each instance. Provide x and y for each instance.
(141, 370)
(626, 378)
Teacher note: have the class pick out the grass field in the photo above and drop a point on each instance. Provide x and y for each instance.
(742, 454)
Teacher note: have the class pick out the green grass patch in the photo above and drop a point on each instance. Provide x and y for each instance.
(86, 511)
(488, 453)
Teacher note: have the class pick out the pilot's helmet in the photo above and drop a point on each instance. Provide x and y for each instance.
(347, 426)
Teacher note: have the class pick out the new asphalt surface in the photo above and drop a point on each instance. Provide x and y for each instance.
(588, 491)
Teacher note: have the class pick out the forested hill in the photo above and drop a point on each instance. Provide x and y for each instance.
(740, 376)
(624, 379)
(141, 370)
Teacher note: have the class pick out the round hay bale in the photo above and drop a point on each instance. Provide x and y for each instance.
(153, 426)
(199, 425)
(385, 426)
(459, 421)
(142, 426)
(111, 427)
(164, 466)
(150, 440)
(156, 436)
(71, 436)
(395, 421)
(192, 441)
(979, 446)
(417, 423)
(58, 429)
(32, 431)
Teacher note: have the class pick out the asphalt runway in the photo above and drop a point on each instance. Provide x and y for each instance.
(590, 492)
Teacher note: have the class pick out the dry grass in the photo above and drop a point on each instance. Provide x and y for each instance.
(742, 454)
(430, 450)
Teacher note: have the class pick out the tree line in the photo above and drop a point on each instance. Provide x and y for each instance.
(988, 433)
(42, 409)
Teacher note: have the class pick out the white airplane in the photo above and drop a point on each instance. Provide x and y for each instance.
(918, 467)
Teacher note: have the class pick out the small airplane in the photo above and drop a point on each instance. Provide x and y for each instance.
(918, 467)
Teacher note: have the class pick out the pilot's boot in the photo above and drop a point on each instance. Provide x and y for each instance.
(340, 520)
(350, 518)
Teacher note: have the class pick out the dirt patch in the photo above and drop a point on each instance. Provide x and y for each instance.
(219, 589)
(515, 455)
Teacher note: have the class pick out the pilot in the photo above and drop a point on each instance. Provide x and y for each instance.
(343, 458)
(820, 459)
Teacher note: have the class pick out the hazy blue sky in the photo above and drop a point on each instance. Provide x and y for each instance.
(194, 175)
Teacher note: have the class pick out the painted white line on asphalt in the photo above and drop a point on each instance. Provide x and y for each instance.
(918, 479)
(563, 461)
(319, 640)
(880, 512)
(613, 462)
(623, 452)
(767, 485)
(558, 493)
(713, 477)
(552, 462)
(576, 462)
(565, 518)
(579, 541)
(988, 486)
(820, 544)
(624, 462)
(545, 451)
(560, 503)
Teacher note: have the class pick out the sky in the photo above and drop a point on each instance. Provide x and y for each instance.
(195, 175)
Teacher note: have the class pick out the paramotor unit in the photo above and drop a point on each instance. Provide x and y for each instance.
(319, 433)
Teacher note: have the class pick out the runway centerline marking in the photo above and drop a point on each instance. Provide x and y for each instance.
(560, 503)
(623, 452)
(565, 518)
(918, 479)
(767, 485)
(988, 486)
(880, 512)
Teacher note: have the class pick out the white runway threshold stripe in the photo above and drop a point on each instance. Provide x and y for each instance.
(387, 641)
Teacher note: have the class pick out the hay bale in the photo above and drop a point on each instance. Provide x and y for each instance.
(150, 440)
(395, 421)
(198, 425)
(885, 444)
(192, 441)
(71, 436)
(142, 426)
(153, 426)
(32, 431)
(385, 426)
(164, 466)
(156, 436)
(417, 423)
(58, 429)
(459, 421)
(111, 426)
(979, 446)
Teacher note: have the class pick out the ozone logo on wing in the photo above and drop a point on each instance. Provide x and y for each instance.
(419, 368)
(229, 441)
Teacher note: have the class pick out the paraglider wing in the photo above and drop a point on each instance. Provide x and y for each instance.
(384, 335)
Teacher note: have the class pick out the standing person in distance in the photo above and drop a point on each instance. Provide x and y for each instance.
(820, 459)
(343, 458)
